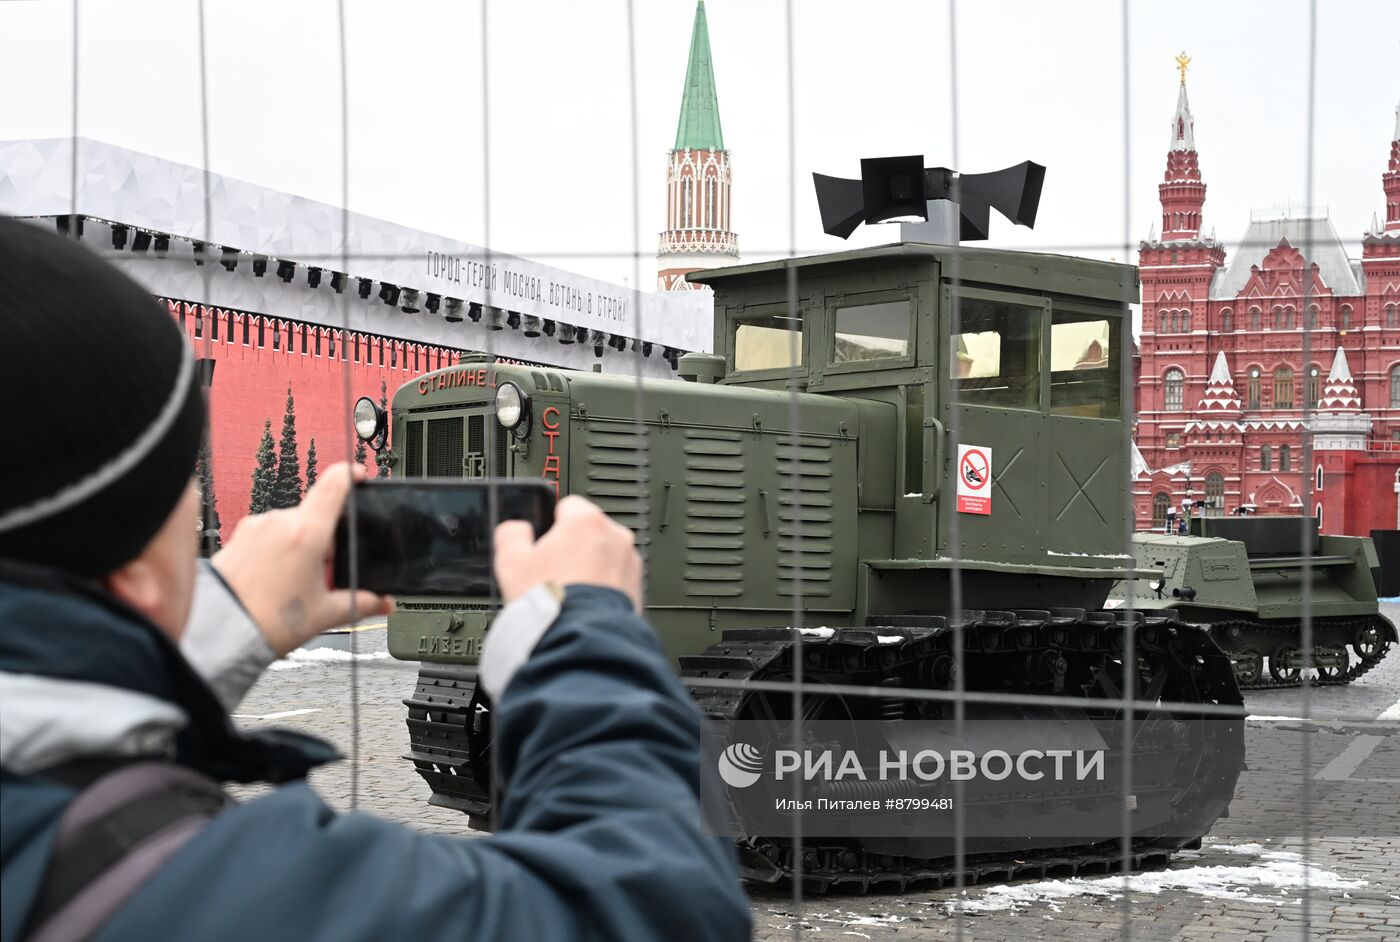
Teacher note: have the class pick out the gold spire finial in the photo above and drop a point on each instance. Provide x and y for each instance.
(1182, 62)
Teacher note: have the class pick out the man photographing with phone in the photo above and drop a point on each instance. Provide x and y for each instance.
(121, 655)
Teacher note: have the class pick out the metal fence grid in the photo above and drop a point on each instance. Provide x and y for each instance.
(785, 136)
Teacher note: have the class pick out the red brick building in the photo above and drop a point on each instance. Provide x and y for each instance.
(1242, 356)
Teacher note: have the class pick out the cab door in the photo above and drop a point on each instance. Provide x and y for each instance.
(994, 393)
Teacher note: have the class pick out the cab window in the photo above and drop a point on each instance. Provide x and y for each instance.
(995, 353)
(872, 332)
(1085, 364)
(768, 341)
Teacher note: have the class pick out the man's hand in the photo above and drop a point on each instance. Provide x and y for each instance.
(276, 565)
(583, 547)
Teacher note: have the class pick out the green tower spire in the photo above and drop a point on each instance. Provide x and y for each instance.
(699, 125)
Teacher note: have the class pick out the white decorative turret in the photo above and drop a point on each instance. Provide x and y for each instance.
(1340, 425)
(1340, 395)
(1219, 408)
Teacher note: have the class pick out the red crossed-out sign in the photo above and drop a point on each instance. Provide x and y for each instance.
(974, 479)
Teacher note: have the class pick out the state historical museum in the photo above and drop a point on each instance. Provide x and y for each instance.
(1228, 382)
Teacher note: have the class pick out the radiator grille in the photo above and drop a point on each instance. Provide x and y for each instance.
(445, 447)
(714, 513)
(413, 451)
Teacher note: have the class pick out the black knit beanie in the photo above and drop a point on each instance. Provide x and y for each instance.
(102, 408)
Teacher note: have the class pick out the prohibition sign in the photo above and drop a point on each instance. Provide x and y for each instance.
(974, 476)
(974, 469)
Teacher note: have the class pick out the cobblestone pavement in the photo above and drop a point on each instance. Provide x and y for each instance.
(1270, 871)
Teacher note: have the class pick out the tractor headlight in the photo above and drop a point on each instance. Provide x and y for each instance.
(512, 408)
(369, 419)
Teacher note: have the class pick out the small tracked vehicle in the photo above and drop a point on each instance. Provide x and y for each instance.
(807, 467)
(1250, 580)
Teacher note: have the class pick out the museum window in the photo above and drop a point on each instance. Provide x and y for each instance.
(1173, 439)
(1346, 317)
(1317, 512)
(1395, 386)
(1390, 310)
(1314, 387)
(1284, 456)
(1227, 321)
(1186, 322)
(1162, 323)
(1174, 390)
(1277, 317)
(877, 331)
(1288, 319)
(1318, 485)
(1311, 322)
(766, 338)
(1265, 458)
(995, 354)
(1252, 389)
(1085, 364)
(1159, 510)
(1215, 493)
(1254, 318)
(1283, 388)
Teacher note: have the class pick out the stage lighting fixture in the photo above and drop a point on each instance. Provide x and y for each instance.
(228, 257)
(384, 287)
(313, 277)
(259, 266)
(338, 281)
(161, 245)
(410, 301)
(566, 333)
(670, 355)
(69, 225)
(596, 338)
(532, 325)
(140, 241)
(636, 345)
(495, 318)
(286, 270)
(548, 329)
(892, 189)
(118, 237)
(393, 299)
(646, 348)
(366, 286)
(432, 302)
(453, 310)
(474, 312)
(513, 320)
(197, 248)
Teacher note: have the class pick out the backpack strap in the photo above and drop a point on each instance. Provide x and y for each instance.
(125, 823)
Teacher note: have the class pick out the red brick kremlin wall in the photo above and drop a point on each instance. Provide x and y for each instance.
(251, 380)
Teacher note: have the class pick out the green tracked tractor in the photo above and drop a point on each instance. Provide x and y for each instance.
(808, 464)
(1245, 577)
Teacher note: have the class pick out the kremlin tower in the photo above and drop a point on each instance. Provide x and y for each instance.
(698, 179)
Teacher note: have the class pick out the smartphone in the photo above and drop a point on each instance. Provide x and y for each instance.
(432, 536)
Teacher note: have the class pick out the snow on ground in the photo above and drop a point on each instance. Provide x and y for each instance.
(1281, 871)
(323, 657)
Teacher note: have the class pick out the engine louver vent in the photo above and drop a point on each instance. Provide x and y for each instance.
(714, 513)
(806, 530)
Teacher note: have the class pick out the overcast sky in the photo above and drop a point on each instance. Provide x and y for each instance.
(1038, 80)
